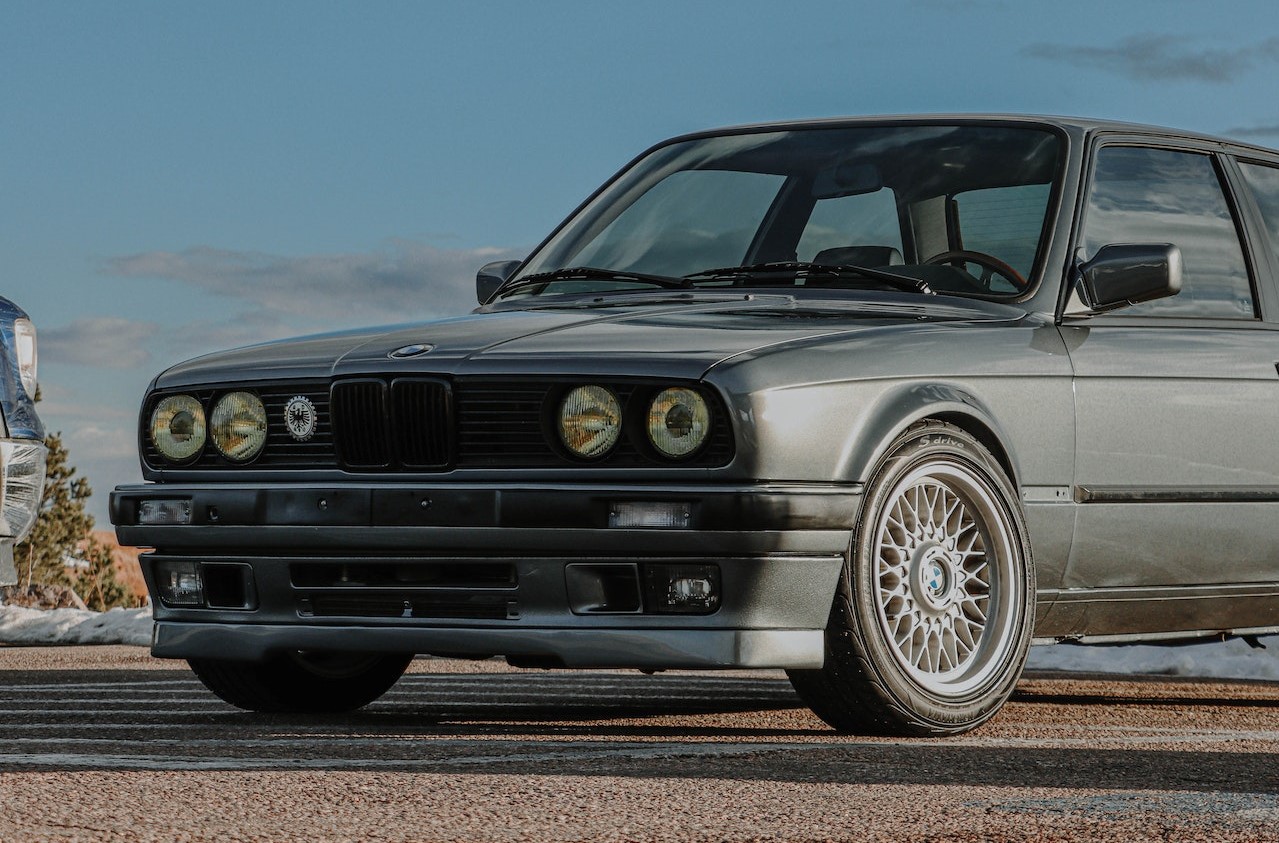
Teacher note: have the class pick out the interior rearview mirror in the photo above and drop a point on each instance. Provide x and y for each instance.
(847, 179)
(491, 276)
(1130, 273)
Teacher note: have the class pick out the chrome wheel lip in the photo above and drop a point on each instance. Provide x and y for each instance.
(951, 632)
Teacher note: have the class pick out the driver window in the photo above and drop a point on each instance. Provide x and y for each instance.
(1144, 195)
(864, 219)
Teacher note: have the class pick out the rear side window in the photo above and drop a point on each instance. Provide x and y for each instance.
(1162, 196)
(1264, 182)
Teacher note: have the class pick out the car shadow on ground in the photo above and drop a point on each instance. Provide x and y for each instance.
(675, 726)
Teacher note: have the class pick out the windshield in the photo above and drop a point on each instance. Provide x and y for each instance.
(956, 209)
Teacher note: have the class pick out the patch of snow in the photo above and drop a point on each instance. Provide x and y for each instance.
(20, 625)
(1232, 659)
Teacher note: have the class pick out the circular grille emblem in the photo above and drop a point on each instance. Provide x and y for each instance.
(411, 350)
(299, 417)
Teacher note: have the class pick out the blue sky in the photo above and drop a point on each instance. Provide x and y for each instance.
(178, 177)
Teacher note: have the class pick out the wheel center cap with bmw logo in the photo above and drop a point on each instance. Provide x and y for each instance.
(299, 418)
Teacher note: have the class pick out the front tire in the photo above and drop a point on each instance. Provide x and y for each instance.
(935, 609)
(298, 681)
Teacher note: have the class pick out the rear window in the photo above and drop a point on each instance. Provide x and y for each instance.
(1005, 222)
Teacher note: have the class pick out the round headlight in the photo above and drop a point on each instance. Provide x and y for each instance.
(678, 421)
(177, 428)
(238, 426)
(590, 421)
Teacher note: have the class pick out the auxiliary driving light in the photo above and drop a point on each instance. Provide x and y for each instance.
(154, 513)
(681, 589)
(22, 466)
(179, 583)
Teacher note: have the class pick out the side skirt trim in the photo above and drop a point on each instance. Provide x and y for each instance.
(1177, 494)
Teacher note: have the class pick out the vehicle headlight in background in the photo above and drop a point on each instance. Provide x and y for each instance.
(590, 421)
(178, 428)
(238, 426)
(24, 337)
(22, 473)
(678, 421)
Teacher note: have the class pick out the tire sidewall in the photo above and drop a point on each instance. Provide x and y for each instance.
(937, 442)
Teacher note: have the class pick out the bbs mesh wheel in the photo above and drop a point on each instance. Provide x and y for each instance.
(935, 609)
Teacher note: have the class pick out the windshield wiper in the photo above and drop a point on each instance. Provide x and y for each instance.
(808, 269)
(593, 273)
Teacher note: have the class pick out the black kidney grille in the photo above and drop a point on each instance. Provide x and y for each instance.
(407, 424)
(421, 422)
(360, 424)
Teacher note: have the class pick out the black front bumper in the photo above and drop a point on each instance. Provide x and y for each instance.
(778, 549)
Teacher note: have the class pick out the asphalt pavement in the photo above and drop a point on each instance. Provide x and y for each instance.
(105, 743)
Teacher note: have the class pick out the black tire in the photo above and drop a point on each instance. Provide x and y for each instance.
(303, 681)
(927, 637)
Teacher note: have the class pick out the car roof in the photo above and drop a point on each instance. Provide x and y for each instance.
(1077, 125)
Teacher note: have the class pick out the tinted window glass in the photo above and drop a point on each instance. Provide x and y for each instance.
(1264, 182)
(1160, 196)
(839, 194)
(697, 218)
(1004, 222)
(866, 219)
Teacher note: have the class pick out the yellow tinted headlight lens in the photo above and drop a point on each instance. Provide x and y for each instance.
(590, 421)
(238, 426)
(678, 421)
(178, 428)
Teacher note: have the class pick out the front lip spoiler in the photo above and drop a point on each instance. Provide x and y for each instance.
(656, 649)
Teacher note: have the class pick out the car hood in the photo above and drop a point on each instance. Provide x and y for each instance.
(674, 336)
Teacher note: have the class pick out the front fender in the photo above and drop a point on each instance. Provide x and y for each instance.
(906, 404)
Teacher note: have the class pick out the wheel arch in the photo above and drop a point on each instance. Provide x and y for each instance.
(900, 409)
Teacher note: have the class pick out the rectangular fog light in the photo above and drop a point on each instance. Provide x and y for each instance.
(682, 589)
(153, 513)
(179, 583)
(651, 514)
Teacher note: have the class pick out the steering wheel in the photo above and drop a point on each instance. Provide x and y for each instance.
(992, 265)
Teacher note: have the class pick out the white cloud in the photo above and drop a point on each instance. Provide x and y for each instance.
(1161, 57)
(110, 342)
(102, 442)
(403, 282)
(1252, 132)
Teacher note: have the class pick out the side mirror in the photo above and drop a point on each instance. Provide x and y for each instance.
(1130, 273)
(491, 276)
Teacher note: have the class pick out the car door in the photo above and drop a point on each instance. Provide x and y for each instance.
(1177, 464)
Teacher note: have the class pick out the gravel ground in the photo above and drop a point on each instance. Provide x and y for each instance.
(106, 743)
